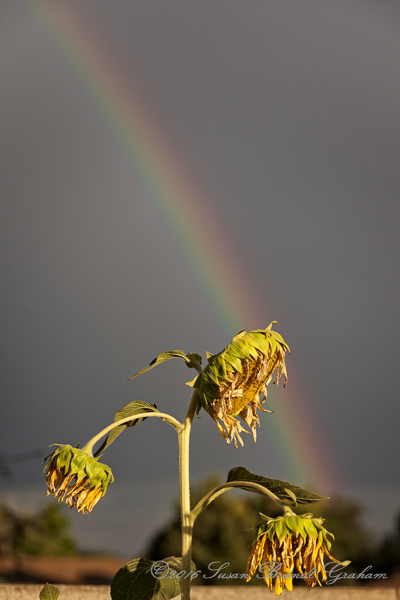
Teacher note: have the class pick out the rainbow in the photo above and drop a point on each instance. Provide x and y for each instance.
(185, 209)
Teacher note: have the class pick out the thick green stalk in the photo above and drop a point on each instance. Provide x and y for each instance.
(186, 518)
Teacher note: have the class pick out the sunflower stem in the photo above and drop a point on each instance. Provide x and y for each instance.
(187, 519)
(225, 487)
(89, 446)
(288, 511)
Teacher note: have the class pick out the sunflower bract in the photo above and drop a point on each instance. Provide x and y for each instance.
(76, 477)
(234, 380)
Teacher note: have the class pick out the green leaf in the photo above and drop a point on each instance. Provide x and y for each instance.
(49, 592)
(277, 487)
(143, 579)
(166, 356)
(130, 410)
(195, 361)
(134, 408)
(293, 496)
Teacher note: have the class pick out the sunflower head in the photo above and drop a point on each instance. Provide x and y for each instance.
(287, 542)
(234, 380)
(76, 477)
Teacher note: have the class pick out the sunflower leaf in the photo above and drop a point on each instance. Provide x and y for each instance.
(191, 360)
(292, 495)
(277, 487)
(130, 410)
(147, 580)
(49, 592)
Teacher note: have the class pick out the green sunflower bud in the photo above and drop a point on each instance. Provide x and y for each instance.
(76, 477)
(287, 542)
(235, 380)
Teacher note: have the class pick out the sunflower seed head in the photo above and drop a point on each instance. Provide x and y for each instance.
(234, 380)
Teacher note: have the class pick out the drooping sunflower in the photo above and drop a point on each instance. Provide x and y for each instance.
(287, 542)
(76, 477)
(234, 382)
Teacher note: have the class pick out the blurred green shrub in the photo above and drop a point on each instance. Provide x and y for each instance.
(47, 533)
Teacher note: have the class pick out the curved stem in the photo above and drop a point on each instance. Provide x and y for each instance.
(186, 517)
(288, 511)
(220, 489)
(89, 446)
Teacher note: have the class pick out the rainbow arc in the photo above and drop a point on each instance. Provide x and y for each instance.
(186, 212)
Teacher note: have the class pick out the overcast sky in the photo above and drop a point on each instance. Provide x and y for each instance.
(285, 115)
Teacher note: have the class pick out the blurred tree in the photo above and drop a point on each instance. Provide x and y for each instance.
(44, 534)
(343, 518)
(221, 532)
(387, 556)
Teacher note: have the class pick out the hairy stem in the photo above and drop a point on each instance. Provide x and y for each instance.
(186, 518)
(89, 446)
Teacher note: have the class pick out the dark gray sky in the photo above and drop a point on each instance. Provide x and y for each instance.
(286, 115)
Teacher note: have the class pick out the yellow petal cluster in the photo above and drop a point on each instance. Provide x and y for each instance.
(77, 478)
(234, 382)
(286, 543)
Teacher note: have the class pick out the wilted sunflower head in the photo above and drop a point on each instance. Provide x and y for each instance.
(286, 542)
(234, 380)
(76, 477)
